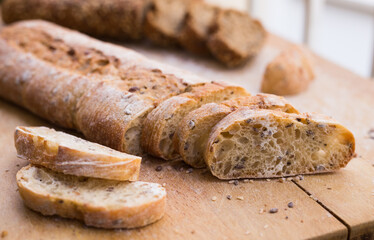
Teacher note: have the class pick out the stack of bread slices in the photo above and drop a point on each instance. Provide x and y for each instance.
(231, 36)
(74, 178)
(125, 101)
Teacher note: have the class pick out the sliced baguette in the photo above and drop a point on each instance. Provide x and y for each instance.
(96, 202)
(264, 143)
(236, 38)
(160, 124)
(193, 131)
(68, 154)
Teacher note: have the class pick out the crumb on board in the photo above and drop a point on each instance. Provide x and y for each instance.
(290, 204)
(273, 210)
(247, 232)
(246, 180)
(231, 181)
(261, 210)
(190, 170)
(164, 184)
(266, 226)
(214, 198)
(159, 168)
(251, 181)
(267, 180)
(229, 197)
(281, 180)
(286, 217)
(4, 233)
(236, 182)
(240, 198)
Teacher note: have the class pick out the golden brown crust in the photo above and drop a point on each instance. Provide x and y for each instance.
(91, 215)
(289, 73)
(43, 146)
(311, 123)
(117, 19)
(234, 45)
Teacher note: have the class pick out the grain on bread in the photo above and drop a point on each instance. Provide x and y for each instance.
(97, 202)
(265, 143)
(161, 123)
(194, 130)
(198, 26)
(289, 73)
(118, 19)
(68, 154)
(236, 37)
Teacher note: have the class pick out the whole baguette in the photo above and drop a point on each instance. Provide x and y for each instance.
(97, 202)
(116, 19)
(99, 89)
(68, 154)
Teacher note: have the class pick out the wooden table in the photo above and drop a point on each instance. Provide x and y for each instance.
(328, 206)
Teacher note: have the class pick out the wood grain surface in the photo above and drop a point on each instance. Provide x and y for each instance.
(342, 205)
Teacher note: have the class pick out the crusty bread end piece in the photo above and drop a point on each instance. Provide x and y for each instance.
(193, 131)
(264, 143)
(289, 73)
(96, 202)
(68, 154)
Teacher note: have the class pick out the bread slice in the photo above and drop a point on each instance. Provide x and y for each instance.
(165, 20)
(96, 202)
(237, 37)
(193, 131)
(264, 143)
(198, 26)
(289, 73)
(161, 123)
(119, 19)
(68, 154)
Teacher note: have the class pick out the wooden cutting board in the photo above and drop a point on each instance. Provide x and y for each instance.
(328, 206)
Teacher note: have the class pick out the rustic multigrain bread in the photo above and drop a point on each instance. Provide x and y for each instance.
(68, 154)
(198, 26)
(97, 202)
(116, 19)
(164, 21)
(236, 38)
(160, 125)
(264, 143)
(99, 89)
(290, 72)
(193, 131)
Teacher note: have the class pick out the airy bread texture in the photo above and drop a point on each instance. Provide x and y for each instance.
(264, 143)
(160, 125)
(236, 38)
(194, 130)
(99, 89)
(117, 19)
(96, 202)
(198, 26)
(289, 73)
(164, 21)
(68, 154)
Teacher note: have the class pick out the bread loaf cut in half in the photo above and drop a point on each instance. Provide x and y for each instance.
(118, 19)
(96, 202)
(237, 37)
(161, 123)
(165, 20)
(289, 73)
(264, 143)
(99, 89)
(194, 130)
(198, 26)
(68, 154)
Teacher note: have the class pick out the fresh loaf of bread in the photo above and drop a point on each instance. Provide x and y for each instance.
(236, 37)
(96, 202)
(265, 143)
(193, 131)
(116, 19)
(291, 72)
(68, 154)
(99, 89)
(160, 124)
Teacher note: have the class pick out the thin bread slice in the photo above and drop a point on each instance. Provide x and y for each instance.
(160, 124)
(165, 20)
(237, 37)
(264, 143)
(96, 202)
(68, 154)
(198, 26)
(193, 131)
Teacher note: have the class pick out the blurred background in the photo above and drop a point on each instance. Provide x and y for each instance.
(339, 30)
